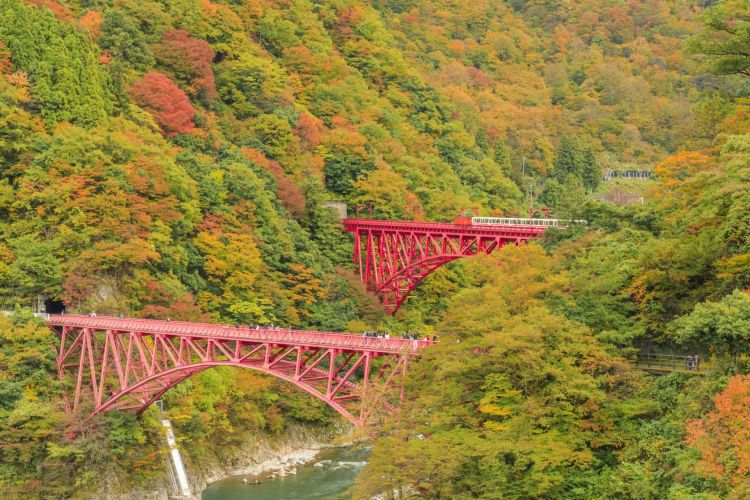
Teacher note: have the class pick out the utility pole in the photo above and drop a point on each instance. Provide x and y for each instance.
(523, 179)
(531, 190)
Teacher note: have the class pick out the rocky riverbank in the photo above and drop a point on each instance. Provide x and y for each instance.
(259, 455)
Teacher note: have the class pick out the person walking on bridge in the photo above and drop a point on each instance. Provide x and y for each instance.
(692, 363)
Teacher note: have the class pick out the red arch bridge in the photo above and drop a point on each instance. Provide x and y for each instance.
(110, 363)
(393, 257)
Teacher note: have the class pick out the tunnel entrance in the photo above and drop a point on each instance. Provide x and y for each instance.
(54, 306)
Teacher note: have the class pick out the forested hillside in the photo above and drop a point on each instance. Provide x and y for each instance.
(174, 158)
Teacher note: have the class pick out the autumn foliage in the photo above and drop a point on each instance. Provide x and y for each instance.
(92, 22)
(679, 166)
(309, 130)
(190, 60)
(61, 11)
(166, 101)
(161, 303)
(6, 65)
(422, 109)
(723, 436)
(289, 193)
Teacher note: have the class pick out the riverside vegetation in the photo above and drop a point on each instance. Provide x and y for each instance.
(174, 157)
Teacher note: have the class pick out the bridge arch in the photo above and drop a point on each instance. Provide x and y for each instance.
(397, 288)
(394, 257)
(127, 364)
(164, 381)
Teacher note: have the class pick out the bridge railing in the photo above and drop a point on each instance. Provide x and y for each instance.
(627, 174)
(512, 221)
(256, 334)
(669, 362)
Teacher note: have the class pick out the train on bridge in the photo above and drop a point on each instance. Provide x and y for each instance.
(394, 257)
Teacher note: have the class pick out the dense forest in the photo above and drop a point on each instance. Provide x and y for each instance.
(174, 158)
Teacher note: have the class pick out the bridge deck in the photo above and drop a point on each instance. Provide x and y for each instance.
(668, 363)
(446, 228)
(325, 340)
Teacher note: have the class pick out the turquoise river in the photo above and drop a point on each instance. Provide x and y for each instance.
(330, 475)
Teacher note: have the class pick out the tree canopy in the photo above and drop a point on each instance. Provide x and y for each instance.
(177, 159)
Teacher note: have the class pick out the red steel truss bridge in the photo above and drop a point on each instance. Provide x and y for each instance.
(110, 363)
(393, 257)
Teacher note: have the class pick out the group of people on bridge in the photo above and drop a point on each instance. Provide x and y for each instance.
(405, 336)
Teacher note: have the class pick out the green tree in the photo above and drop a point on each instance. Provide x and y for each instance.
(591, 175)
(61, 61)
(35, 269)
(508, 401)
(250, 84)
(569, 158)
(723, 327)
(501, 155)
(343, 170)
(552, 194)
(273, 134)
(385, 191)
(275, 33)
(124, 40)
(29, 421)
(19, 128)
(481, 141)
(725, 37)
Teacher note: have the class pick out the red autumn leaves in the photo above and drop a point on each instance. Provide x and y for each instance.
(189, 60)
(170, 106)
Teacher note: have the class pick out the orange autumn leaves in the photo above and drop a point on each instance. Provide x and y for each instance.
(6, 65)
(678, 167)
(723, 436)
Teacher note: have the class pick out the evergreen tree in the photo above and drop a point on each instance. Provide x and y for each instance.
(552, 194)
(122, 38)
(343, 170)
(574, 196)
(61, 61)
(480, 139)
(570, 158)
(592, 175)
(501, 155)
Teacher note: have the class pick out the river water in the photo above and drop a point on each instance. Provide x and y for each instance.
(330, 475)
